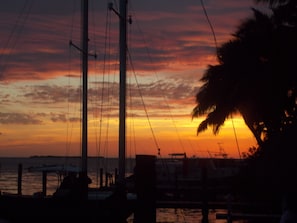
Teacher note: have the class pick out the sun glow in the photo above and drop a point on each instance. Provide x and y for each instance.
(40, 81)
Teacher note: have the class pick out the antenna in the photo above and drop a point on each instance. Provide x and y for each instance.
(221, 152)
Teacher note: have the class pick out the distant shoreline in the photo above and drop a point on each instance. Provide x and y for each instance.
(52, 156)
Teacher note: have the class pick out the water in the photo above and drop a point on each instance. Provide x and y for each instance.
(32, 182)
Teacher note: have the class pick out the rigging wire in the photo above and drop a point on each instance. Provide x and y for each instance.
(107, 88)
(93, 96)
(69, 133)
(163, 163)
(15, 33)
(211, 27)
(158, 82)
(217, 53)
(106, 53)
(111, 85)
(132, 123)
(236, 140)
(142, 100)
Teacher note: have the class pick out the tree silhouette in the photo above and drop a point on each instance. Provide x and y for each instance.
(256, 76)
(284, 10)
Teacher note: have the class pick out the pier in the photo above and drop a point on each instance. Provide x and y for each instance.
(203, 194)
(183, 192)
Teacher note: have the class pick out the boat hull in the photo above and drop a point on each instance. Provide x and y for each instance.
(16, 209)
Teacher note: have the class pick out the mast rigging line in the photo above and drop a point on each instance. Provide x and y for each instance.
(106, 70)
(16, 32)
(211, 27)
(236, 140)
(106, 42)
(69, 131)
(122, 14)
(157, 78)
(142, 100)
(217, 54)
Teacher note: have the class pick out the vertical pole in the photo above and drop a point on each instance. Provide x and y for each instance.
(116, 174)
(101, 177)
(122, 104)
(84, 55)
(20, 173)
(106, 179)
(145, 183)
(204, 195)
(44, 179)
(229, 213)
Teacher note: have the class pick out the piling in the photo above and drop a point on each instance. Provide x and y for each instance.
(116, 175)
(44, 183)
(106, 179)
(145, 178)
(20, 175)
(204, 195)
(101, 177)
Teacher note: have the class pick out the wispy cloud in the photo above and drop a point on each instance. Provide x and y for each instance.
(19, 118)
(170, 45)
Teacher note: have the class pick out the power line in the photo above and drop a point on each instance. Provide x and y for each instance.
(210, 25)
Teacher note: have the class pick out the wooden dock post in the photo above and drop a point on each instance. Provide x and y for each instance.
(116, 175)
(145, 188)
(44, 183)
(20, 175)
(229, 215)
(204, 195)
(106, 179)
(101, 177)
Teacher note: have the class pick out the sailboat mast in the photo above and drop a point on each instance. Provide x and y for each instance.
(84, 58)
(122, 103)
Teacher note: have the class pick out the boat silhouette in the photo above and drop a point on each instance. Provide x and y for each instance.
(76, 201)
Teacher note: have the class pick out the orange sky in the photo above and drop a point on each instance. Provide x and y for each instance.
(170, 45)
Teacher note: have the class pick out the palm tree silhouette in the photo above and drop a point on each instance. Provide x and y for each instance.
(255, 76)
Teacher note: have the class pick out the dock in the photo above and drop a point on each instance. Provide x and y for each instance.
(186, 189)
(200, 193)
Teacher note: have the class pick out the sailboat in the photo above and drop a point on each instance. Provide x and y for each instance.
(90, 205)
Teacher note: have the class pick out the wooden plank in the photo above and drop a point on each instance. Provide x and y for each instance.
(238, 216)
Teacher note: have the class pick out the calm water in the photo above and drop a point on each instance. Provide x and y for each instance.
(32, 182)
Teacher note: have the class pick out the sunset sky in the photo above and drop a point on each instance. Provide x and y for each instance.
(170, 45)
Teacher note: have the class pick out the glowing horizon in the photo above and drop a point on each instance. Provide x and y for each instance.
(40, 78)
